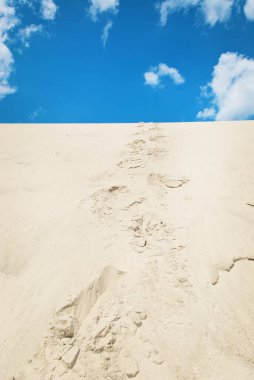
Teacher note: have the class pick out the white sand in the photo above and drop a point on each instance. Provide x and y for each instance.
(126, 251)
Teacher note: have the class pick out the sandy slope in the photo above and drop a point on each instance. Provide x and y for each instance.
(127, 251)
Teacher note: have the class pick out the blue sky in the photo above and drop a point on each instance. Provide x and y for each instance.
(126, 61)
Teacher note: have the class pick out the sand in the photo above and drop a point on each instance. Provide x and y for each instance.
(127, 251)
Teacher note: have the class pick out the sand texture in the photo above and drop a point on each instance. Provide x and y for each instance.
(127, 251)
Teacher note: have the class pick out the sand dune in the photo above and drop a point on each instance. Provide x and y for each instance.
(127, 251)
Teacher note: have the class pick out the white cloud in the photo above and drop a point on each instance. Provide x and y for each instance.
(29, 3)
(97, 7)
(8, 21)
(26, 33)
(153, 77)
(6, 63)
(207, 113)
(249, 10)
(8, 18)
(213, 10)
(164, 70)
(105, 33)
(217, 10)
(48, 9)
(232, 88)
(102, 6)
(170, 6)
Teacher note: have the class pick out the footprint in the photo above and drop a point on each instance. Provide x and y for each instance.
(156, 137)
(64, 346)
(135, 202)
(156, 357)
(182, 282)
(149, 227)
(158, 179)
(70, 357)
(68, 319)
(107, 280)
(104, 199)
(131, 163)
(137, 145)
(105, 194)
(128, 364)
(154, 127)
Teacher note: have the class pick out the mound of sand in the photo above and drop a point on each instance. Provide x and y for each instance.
(127, 251)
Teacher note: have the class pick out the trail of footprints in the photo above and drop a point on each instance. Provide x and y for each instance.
(110, 331)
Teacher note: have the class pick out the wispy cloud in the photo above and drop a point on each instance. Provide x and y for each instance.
(26, 33)
(105, 33)
(170, 6)
(231, 89)
(48, 9)
(213, 10)
(36, 113)
(153, 77)
(29, 3)
(102, 6)
(99, 7)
